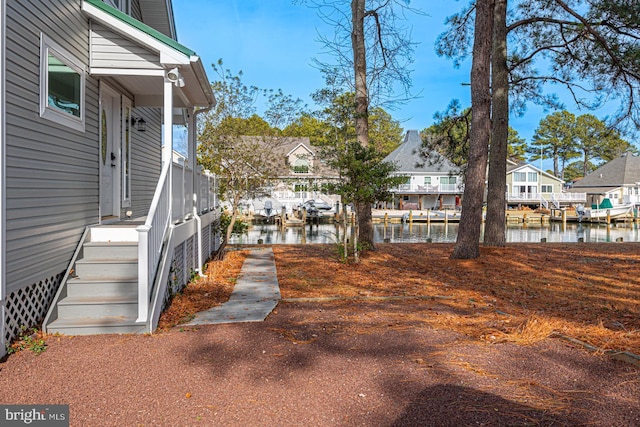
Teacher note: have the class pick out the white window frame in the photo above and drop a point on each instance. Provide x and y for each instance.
(517, 177)
(301, 166)
(447, 180)
(546, 187)
(532, 177)
(125, 151)
(427, 180)
(48, 46)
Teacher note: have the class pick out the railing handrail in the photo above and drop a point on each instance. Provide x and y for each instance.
(440, 188)
(151, 235)
(543, 201)
(158, 193)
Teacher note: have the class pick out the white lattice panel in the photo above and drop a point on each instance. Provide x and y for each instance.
(26, 307)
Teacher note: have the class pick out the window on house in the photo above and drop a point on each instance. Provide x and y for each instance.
(62, 80)
(533, 177)
(299, 187)
(547, 188)
(301, 166)
(519, 177)
(427, 180)
(448, 180)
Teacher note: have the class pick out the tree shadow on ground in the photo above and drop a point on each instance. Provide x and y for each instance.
(410, 373)
(451, 405)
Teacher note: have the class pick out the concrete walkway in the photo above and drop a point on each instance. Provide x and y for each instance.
(254, 296)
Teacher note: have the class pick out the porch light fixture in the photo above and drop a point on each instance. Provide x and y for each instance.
(139, 123)
(173, 74)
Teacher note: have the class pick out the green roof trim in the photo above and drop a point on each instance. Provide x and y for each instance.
(141, 26)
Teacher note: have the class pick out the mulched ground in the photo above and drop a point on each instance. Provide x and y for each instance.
(519, 293)
(408, 342)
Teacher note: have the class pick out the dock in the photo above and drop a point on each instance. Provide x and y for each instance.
(394, 216)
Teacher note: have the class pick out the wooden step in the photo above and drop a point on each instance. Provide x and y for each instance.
(110, 250)
(125, 304)
(107, 269)
(101, 296)
(94, 326)
(114, 233)
(108, 286)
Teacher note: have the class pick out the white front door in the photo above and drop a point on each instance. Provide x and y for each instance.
(109, 153)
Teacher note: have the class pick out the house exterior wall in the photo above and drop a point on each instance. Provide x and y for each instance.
(52, 170)
(135, 10)
(540, 181)
(110, 49)
(301, 153)
(146, 161)
(548, 181)
(432, 184)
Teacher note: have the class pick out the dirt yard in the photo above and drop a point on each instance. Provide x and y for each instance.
(521, 293)
(406, 338)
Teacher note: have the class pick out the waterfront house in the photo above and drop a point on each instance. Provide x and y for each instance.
(530, 186)
(433, 182)
(95, 215)
(618, 181)
(304, 174)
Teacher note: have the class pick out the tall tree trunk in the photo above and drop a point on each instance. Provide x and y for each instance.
(468, 240)
(365, 226)
(360, 72)
(494, 230)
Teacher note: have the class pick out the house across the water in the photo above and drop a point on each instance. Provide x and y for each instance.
(617, 181)
(530, 186)
(433, 182)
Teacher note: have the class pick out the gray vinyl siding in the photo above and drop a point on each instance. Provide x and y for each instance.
(146, 161)
(111, 50)
(135, 10)
(52, 170)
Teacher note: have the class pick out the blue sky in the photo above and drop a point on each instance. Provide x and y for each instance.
(274, 42)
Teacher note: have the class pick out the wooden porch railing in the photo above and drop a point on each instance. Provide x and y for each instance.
(151, 236)
(172, 203)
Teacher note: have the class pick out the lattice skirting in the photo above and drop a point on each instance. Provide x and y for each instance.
(185, 261)
(27, 307)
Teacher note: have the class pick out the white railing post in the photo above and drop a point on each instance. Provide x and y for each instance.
(183, 191)
(143, 273)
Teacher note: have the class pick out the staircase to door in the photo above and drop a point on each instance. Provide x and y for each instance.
(100, 295)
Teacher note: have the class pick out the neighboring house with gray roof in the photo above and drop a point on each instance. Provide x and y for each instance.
(618, 181)
(433, 182)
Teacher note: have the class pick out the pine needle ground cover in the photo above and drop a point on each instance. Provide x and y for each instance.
(522, 293)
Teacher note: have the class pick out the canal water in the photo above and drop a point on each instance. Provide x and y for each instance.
(439, 233)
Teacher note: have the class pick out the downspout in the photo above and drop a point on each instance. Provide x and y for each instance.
(193, 133)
